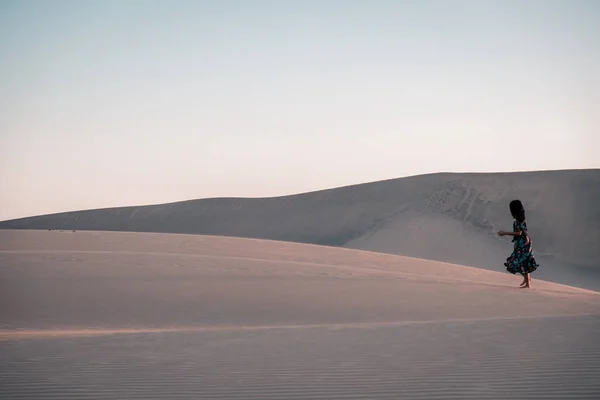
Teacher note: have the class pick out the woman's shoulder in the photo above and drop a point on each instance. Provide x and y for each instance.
(523, 225)
(519, 225)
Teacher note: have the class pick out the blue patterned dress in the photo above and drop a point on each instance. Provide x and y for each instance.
(521, 260)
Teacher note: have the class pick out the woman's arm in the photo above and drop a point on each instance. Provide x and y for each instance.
(503, 233)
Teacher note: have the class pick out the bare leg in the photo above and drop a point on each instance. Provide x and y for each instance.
(524, 281)
(527, 281)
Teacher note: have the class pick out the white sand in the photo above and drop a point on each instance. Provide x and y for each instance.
(443, 217)
(93, 315)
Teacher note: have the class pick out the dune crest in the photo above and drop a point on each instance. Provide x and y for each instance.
(442, 217)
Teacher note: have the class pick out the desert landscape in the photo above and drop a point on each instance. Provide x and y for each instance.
(279, 200)
(121, 315)
(443, 217)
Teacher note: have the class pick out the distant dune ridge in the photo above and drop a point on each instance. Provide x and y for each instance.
(449, 217)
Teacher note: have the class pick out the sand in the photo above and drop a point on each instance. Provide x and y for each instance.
(442, 217)
(97, 315)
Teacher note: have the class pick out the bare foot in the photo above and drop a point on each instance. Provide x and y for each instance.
(523, 283)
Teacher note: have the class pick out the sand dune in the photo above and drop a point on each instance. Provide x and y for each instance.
(97, 315)
(443, 217)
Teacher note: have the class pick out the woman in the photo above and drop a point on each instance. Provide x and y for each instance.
(521, 260)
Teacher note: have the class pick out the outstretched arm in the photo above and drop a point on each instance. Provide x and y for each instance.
(503, 233)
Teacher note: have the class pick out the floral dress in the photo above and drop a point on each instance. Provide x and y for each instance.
(521, 260)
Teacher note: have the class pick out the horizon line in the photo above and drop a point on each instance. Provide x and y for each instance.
(300, 193)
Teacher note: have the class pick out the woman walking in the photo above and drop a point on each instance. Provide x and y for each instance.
(521, 260)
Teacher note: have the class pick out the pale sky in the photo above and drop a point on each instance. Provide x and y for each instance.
(114, 103)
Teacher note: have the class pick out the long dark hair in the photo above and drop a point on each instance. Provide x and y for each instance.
(517, 210)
